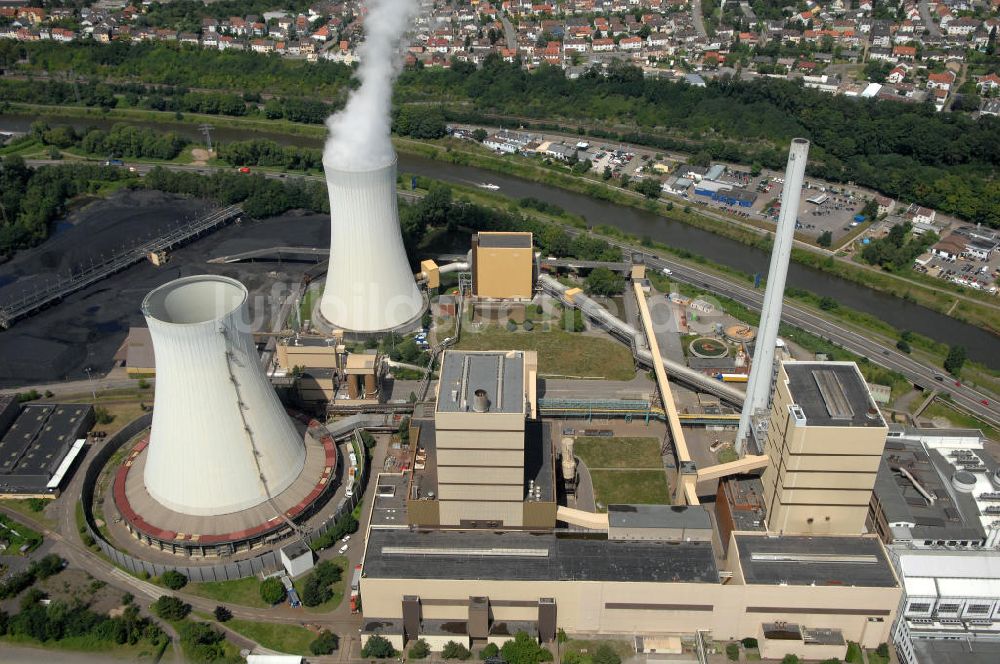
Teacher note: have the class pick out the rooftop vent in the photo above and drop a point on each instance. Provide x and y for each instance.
(963, 481)
(480, 402)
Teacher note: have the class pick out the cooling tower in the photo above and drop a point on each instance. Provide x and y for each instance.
(220, 439)
(369, 285)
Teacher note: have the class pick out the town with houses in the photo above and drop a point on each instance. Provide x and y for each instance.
(933, 52)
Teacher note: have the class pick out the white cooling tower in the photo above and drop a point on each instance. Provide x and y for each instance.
(220, 440)
(369, 285)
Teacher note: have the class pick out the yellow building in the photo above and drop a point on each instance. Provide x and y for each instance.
(503, 266)
(824, 443)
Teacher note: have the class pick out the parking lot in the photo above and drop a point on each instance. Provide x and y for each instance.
(975, 274)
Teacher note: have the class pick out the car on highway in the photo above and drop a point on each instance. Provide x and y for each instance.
(244, 169)
(958, 383)
(985, 402)
(939, 377)
(667, 271)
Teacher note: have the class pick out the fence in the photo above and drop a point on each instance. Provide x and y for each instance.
(223, 571)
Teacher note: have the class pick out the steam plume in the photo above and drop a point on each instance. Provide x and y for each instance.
(359, 133)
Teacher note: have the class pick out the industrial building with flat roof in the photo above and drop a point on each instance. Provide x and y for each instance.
(38, 444)
(824, 442)
(503, 265)
(474, 552)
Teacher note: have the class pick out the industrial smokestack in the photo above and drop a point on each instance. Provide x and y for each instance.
(220, 440)
(758, 397)
(369, 284)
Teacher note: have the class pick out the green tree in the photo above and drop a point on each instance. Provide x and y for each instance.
(790, 659)
(904, 346)
(325, 643)
(378, 647)
(453, 650)
(602, 281)
(649, 187)
(168, 607)
(825, 239)
(490, 650)
(522, 649)
(479, 134)
(605, 654)
(222, 614)
(272, 591)
(173, 579)
(420, 650)
(733, 652)
(955, 360)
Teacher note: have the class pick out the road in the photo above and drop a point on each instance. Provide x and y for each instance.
(697, 18)
(836, 253)
(925, 16)
(867, 345)
(509, 33)
(64, 540)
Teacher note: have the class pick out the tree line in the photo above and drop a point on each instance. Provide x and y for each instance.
(261, 197)
(943, 160)
(31, 198)
(121, 140)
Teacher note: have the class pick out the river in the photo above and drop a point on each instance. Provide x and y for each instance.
(980, 344)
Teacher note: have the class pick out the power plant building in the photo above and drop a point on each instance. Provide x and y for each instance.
(824, 444)
(447, 557)
(503, 265)
(480, 447)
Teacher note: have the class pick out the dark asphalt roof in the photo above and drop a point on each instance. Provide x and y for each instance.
(658, 516)
(505, 240)
(832, 394)
(515, 556)
(38, 440)
(952, 515)
(820, 561)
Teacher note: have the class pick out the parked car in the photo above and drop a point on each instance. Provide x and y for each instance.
(244, 169)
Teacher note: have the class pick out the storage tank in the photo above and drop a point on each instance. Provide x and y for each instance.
(220, 440)
(369, 284)
(568, 462)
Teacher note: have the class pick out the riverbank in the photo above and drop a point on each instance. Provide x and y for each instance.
(614, 202)
(973, 309)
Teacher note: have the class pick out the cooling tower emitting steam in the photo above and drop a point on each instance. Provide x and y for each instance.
(369, 284)
(359, 133)
(220, 441)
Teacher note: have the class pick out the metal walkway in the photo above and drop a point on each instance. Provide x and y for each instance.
(628, 410)
(310, 254)
(29, 304)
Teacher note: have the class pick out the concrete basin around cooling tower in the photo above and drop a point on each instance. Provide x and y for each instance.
(369, 284)
(220, 440)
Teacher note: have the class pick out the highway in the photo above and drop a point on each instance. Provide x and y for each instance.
(866, 345)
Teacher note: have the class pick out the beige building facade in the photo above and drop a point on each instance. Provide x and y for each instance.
(503, 266)
(824, 443)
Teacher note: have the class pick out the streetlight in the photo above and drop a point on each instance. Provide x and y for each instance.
(90, 379)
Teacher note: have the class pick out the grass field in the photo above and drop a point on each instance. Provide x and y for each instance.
(624, 649)
(338, 588)
(619, 452)
(245, 592)
(16, 535)
(629, 486)
(560, 353)
(959, 419)
(24, 507)
(289, 639)
(144, 651)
